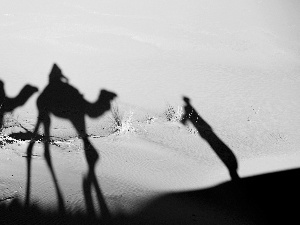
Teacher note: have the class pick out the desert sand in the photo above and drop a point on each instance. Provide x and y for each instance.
(236, 61)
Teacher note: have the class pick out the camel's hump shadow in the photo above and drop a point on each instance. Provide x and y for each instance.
(64, 100)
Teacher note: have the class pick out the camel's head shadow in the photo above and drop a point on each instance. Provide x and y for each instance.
(27, 88)
(104, 103)
(30, 89)
(106, 97)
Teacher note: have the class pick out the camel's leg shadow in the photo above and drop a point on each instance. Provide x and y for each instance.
(45, 119)
(49, 162)
(29, 154)
(90, 179)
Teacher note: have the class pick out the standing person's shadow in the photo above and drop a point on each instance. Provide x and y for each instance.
(207, 133)
(9, 104)
(64, 101)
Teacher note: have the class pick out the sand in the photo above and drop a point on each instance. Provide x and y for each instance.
(238, 63)
(135, 168)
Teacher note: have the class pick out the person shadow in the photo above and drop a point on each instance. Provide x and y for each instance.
(63, 100)
(8, 104)
(206, 132)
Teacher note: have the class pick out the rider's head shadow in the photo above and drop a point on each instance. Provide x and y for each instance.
(8, 104)
(206, 132)
(65, 101)
(56, 75)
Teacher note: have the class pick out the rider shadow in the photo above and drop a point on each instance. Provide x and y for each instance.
(207, 133)
(63, 100)
(9, 104)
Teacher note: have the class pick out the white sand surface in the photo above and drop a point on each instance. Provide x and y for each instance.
(237, 61)
(134, 167)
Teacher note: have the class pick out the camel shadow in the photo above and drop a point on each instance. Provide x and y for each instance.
(8, 104)
(63, 100)
(207, 133)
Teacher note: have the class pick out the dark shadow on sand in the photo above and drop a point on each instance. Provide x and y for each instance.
(265, 199)
(15, 213)
(63, 100)
(259, 200)
(8, 104)
(207, 133)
